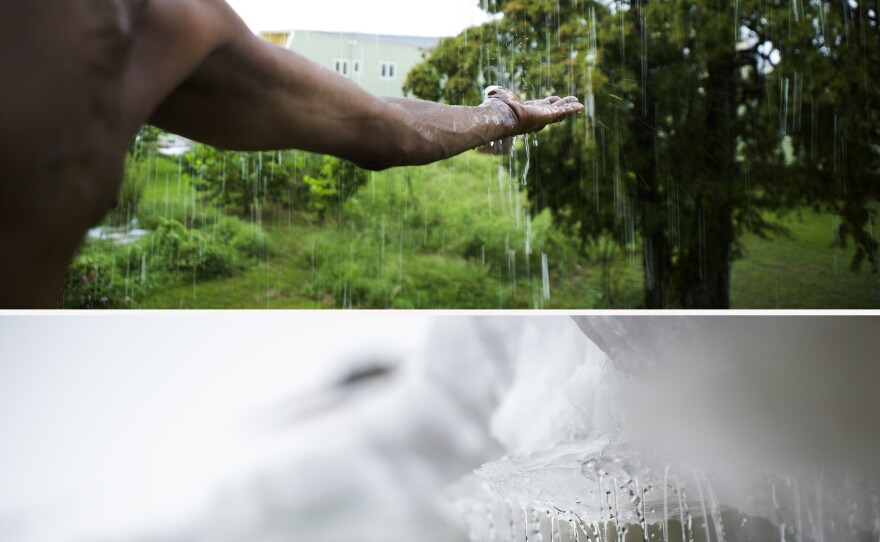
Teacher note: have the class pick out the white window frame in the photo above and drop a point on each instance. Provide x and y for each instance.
(344, 64)
(357, 67)
(390, 69)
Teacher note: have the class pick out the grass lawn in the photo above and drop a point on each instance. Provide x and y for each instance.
(801, 272)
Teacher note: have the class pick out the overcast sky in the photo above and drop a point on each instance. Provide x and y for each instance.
(403, 17)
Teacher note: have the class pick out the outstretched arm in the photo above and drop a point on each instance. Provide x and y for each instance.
(444, 130)
(246, 94)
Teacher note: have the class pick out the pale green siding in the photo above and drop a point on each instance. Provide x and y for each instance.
(365, 51)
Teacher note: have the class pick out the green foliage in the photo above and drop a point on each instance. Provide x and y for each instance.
(335, 183)
(428, 237)
(246, 238)
(451, 73)
(94, 282)
(130, 193)
(105, 275)
(146, 142)
(179, 249)
(695, 125)
(438, 236)
(248, 181)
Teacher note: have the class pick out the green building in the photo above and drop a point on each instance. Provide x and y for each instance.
(377, 63)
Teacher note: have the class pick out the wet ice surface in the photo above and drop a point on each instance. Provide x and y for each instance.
(597, 490)
(736, 429)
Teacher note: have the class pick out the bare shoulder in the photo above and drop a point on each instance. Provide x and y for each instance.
(208, 20)
(170, 40)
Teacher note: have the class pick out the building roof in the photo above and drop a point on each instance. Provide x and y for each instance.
(413, 41)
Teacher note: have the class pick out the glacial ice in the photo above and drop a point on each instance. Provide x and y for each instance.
(685, 428)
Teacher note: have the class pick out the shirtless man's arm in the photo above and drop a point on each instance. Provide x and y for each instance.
(81, 76)
(246, 94)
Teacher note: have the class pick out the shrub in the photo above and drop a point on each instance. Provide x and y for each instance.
(248, 239)
(179, 249)
(333, 185)
(97, 279)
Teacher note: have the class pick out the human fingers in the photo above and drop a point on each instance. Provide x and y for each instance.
(562, 106)
(550, 100)
(554, 100)
(562, 110)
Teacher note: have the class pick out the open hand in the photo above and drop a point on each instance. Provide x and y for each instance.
(532, 115)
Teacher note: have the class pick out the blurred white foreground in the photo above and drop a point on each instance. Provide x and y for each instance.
(246, 428)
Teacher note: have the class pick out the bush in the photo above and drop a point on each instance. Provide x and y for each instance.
(191, 251)
(248, 239)
(104, 275)
(93, 282)
(350, 272)
(333, 185)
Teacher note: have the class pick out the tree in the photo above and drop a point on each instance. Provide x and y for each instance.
(245, 181)
(248, 181)
(701, 117)
(330, 187)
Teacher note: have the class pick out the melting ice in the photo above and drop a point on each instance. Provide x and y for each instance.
(686, 428)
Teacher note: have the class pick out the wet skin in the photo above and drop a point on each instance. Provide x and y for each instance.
(79, 78)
